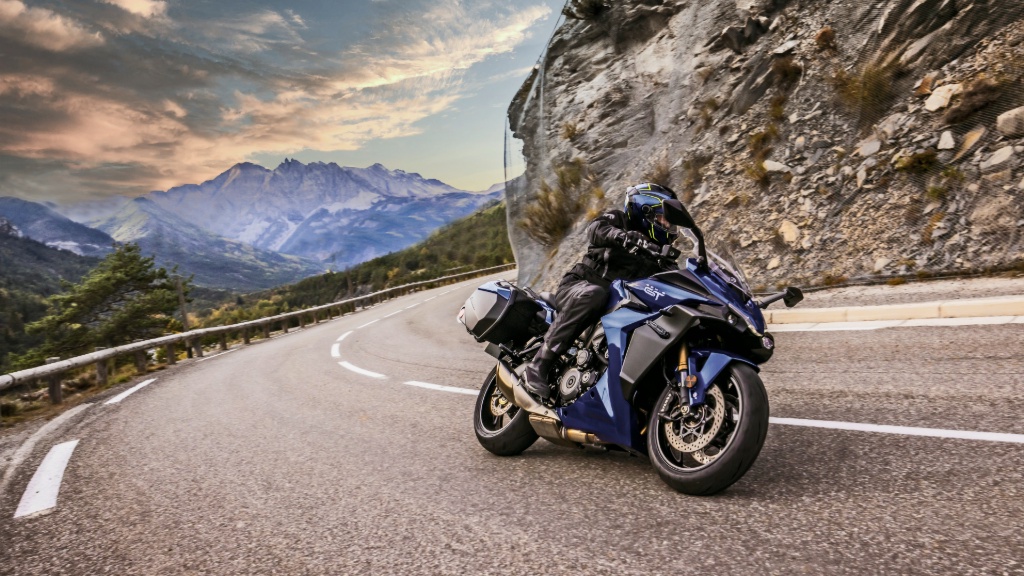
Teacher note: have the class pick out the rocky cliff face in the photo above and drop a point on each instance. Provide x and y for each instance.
(820, 140)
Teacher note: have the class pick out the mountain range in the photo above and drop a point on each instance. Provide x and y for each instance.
(252, 227)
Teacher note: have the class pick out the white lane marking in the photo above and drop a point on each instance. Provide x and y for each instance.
(368, 323)
(343, 336)
(359, 370)
(129, 392)
(26, 448)
(881, 324)
(903, 430)
(960, 321)
(336, 350)
(429, 299)
(205, 358)
(440, 388)
(41, 493)
(413, 306)
(393, 313)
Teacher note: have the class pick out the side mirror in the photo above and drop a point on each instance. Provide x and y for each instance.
(677, 214)
(793, 296)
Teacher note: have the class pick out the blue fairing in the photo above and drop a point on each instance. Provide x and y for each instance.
(603, 409)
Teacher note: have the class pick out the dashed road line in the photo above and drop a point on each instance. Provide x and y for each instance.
(359, 370)
(343, 336)
(882, 324)
(392, 314)
(413, 306)
(23, 452)
(41, 494)
(902, 430)
(205, 358)
(129, 392)
(440, 388)
(368, 323)
(336, 350)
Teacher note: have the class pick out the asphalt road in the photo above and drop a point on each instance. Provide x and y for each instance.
(275, 459)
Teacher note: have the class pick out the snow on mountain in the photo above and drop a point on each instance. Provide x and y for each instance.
(44, 225)
(215, 261)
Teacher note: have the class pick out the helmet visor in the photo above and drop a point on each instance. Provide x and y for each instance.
(658, 219)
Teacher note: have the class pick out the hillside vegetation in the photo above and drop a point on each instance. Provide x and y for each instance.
(29, 273)
(477, 241)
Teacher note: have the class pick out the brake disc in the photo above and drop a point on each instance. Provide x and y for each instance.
(693, 440)
(499, 404)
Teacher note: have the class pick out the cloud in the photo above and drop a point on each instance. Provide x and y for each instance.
(44, 28)
(155, 112)
(144, 8)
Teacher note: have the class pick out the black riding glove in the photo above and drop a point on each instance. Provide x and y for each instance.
(635, 243)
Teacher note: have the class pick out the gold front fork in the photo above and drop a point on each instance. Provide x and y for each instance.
(686, 380)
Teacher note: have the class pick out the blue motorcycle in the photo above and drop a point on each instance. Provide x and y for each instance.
(670, 371)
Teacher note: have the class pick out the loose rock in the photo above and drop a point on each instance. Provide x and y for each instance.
(1001, 155)
(775, 167)
(946, 142)
(789, 231)
(869, 147)
(941, 96)
(1011, 124)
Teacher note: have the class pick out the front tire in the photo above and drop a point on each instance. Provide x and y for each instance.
(501, 427)
(728, 433)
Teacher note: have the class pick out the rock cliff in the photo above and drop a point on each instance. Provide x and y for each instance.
(819, 140)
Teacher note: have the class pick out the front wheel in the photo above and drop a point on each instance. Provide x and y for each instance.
(501, 427)
(704, 450)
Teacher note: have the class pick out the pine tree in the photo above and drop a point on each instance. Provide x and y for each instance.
(125, 298)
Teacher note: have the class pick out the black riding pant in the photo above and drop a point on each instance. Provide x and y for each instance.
(579, 304)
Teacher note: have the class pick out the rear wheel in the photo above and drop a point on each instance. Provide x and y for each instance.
(704, 450)
(501, 427)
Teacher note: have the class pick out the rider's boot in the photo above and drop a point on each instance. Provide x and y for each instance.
(535, 379)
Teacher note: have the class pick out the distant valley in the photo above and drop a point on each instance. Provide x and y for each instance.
(252, 228)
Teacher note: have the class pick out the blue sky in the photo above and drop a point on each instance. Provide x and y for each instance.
(101, 97)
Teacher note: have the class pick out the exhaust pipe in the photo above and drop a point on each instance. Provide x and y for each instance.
(554, 432)
(512, 388)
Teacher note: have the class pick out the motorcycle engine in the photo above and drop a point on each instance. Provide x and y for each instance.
(578, 377)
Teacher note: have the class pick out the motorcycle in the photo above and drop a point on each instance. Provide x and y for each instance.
(670, 370)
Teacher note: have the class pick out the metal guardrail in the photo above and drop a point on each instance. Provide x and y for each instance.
(194, 338)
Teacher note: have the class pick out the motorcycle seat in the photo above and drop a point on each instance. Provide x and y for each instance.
(549, 298)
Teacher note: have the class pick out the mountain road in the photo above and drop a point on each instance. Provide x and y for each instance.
(347, 448)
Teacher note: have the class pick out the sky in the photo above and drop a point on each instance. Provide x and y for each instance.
(104, 97)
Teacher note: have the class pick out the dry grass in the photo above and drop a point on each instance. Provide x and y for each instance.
(919, 163)
(898, 281)
(777, 107)
(659, 173)
(555, 208)
(786, 72)
(707, 112)
(867, 92)
(570, 131)
(936, 193)
(825, 39)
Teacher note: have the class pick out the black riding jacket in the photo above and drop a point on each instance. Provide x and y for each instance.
(607, 259)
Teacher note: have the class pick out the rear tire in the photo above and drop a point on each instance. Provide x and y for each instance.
(508, 434)
(742, 437)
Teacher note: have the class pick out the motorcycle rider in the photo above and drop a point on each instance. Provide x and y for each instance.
(622, 243)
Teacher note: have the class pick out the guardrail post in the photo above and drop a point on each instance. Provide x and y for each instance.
(171, 353)
(302, 320)
(245, 335)
(223, 340)
(197, 347)
(102, 374)
(140, 361)
(56, 392)
(284, 325)
(316, 316)
(266, 331)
